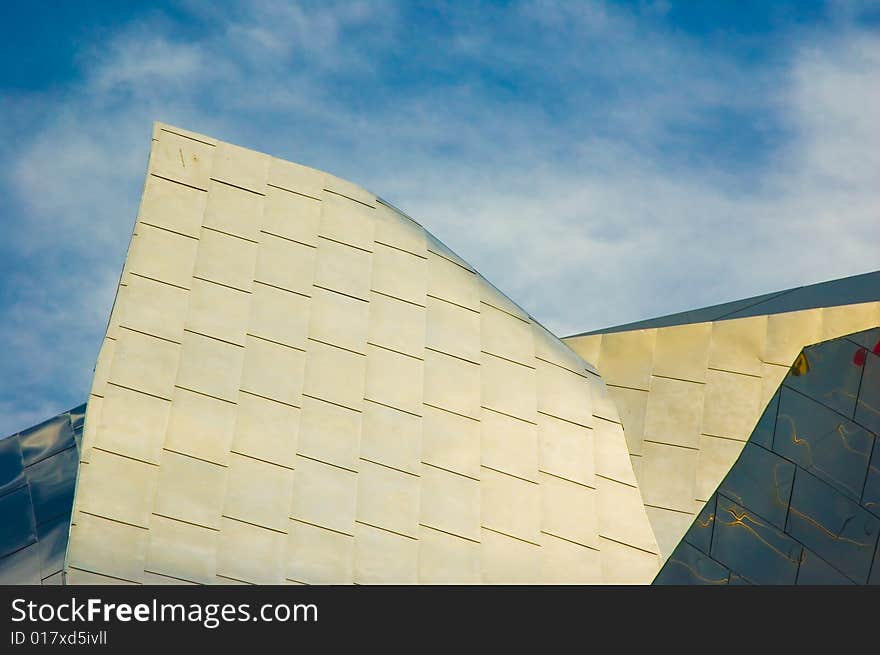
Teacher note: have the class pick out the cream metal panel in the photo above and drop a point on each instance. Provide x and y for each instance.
(118, 488)
(324, 495)
(218, 311)
(507, 560)
(233, 210)
(266, 429)
(397, 325)
(633, 406)
(509, 444)
(506, 336)
(566, 450)
(682, 351)
(250, 553)
(382, 557)
(453, 329)
(190, 489)
(134, 424)
(511, 505)
(394, 379)
(346, 220)
(279, 315)
(343, 268)
(304, 386)
(674, 410)
(144, 363)
(242, 167)
(388, 498)
(450, 502)
(609, 451)
(391, 437)
(462, 397)
(738, 346)
(291, 216)
(226, 259)
(447, 559)
(399, 274)
(296, 178)
(564, 562)
(173, 206)
(329, 433)
(508, 387)
(211, 366)
(105, 547)
(258, 492)
(200, 426)
(689, 396)
(558, 498)
(400, 231)
(339, 319)
(155, 308)
(182, 159)
(316, 555)
(285, 264)
(273, 370)
(181, 550)
(451, 441)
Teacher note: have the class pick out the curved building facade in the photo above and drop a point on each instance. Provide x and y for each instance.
(299, 384)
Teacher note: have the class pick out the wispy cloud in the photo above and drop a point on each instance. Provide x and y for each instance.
(596, 162)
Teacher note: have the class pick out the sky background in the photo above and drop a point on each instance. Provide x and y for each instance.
(599, 162)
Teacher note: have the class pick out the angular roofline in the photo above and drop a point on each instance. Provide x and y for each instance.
(851, 290)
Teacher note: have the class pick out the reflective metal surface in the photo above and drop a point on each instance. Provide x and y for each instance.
(800, 504)
(300, 384)
(38, 469)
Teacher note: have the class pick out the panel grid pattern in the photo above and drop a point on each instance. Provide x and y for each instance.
(299, 384)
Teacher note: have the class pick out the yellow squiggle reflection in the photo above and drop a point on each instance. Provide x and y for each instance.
(833, 535)
(696, 574)
(868, 407)
(739, 520)
(840, 430)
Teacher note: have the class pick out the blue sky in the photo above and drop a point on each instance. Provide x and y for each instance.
(600, 162)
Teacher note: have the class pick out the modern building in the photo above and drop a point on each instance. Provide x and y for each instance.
(300, 384)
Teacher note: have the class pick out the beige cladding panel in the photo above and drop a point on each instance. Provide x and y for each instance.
(299, 384)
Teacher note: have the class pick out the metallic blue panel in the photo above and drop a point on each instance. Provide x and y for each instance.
(46, 439)
(37, 478)
(823, 442)
(835, 527)
(833, 377)
(11, 465)
(52, 484)
(745, 542)
(868, 408)
(689, 566)
(816, 571)
(17, 527)
(761, 481)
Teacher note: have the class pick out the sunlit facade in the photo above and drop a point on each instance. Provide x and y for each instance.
(300, 385)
